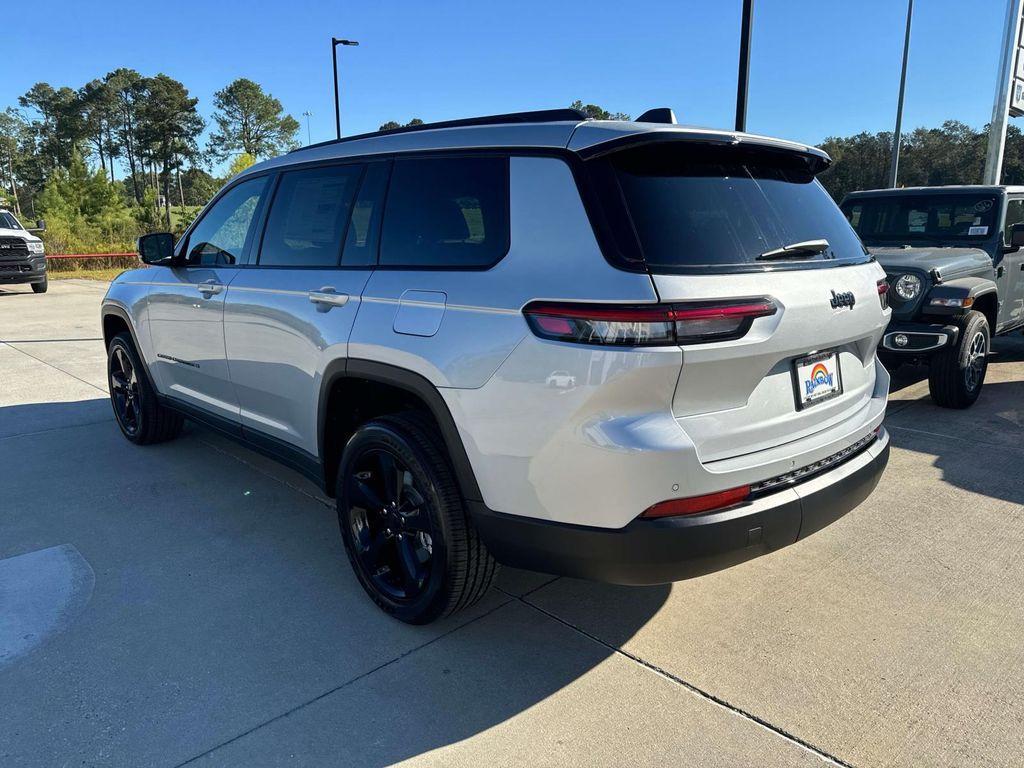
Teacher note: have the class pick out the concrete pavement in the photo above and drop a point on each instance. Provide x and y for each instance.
(210, 616)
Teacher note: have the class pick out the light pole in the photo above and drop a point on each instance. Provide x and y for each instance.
(1004, 90)
(744, 74)
(896, 138)
(307, 114)
(335, 42)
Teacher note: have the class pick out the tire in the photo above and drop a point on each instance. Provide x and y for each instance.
(957, 374)
(138, 413)
(410, 541)
(41, 287)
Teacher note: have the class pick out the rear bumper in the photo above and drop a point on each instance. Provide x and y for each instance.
(919, 338)
(672, 549)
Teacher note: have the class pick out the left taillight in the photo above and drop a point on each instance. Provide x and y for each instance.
(883, 293)
(645, 324)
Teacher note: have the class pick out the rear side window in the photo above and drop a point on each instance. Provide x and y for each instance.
(696, 208)
(446, 212)
(308, 217)
(364, 225)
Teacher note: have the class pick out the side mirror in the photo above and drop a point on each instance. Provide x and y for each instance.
(157, 248)
(1017, 235)
(39, 227)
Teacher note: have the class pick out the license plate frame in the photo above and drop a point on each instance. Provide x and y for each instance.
(804, 371)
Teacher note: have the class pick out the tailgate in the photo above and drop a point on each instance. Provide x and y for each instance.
(740, 397)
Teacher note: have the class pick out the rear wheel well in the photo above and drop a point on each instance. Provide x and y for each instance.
(988, 305)
(352, 402)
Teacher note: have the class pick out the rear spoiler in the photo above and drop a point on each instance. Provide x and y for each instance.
(816, 159)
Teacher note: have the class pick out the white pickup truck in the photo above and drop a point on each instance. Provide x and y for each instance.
(21, 253)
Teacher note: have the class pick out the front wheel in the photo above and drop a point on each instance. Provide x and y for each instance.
(407, 534)
(957, 373)
(41, 287)
(141, 418)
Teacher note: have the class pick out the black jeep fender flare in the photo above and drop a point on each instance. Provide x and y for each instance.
(959, 288)
(413, 383)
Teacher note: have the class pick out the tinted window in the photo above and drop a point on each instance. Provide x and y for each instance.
(221, 236)
(446, 212)
(308, 217)
(907, 218)
(7, 221)
(364, 225)
(1014, 215)
(701, 209)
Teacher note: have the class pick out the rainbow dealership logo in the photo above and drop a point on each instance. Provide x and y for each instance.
(820, 377)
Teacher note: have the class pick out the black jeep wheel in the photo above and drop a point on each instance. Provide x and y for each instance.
(406, 530)
(141, 418)
(957, 373)
(41, 287)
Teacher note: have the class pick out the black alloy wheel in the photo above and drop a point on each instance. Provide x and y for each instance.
(407, 531)
(139, 414)
(124, 391)
(390, 524)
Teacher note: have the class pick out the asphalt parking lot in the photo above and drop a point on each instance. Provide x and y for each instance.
(190, 603)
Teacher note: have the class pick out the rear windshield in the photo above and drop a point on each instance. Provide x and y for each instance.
(705, 209)
(922, 218)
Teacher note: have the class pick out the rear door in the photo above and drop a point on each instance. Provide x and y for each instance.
(291, 312)
(186, 303)
(711, 223)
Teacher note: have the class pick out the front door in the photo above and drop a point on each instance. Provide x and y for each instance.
(186, 303)
(1011, 271)
(291, 312)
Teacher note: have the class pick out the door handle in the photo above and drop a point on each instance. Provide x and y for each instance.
(327, 297)
(210, 288)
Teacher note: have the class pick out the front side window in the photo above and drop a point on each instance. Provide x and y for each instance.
(221, 236)
(1014, 215)
(447, 212)
(308, 217)
(910, 218)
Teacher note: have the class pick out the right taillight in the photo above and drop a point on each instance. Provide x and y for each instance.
(883, 293)
(645, 324)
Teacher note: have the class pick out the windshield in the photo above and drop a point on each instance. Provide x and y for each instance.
(926, 218)
(696, 208)
(7, 221)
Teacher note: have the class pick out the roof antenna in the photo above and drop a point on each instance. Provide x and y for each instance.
(658, 115)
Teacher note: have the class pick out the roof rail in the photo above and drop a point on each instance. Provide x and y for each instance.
(537, 116)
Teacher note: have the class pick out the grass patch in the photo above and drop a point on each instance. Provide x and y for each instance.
(100, 273)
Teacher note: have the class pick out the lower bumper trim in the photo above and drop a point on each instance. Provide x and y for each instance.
(671, 549)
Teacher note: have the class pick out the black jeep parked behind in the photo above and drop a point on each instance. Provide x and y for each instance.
(955, 265)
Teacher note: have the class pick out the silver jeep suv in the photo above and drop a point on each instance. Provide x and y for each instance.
(626, 351)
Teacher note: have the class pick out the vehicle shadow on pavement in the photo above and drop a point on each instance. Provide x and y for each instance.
(979, 449)
(225, 623)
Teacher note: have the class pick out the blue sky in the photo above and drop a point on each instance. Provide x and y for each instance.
(819, 67)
